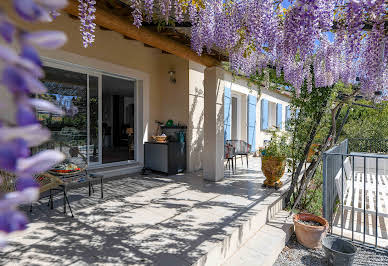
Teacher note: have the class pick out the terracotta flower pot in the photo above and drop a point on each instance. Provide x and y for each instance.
(273, 169)
(308, 235)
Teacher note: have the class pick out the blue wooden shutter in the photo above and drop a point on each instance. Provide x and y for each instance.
(227, 113)
(288, 117)
(252, 101)
(264, 114)
(279, 116)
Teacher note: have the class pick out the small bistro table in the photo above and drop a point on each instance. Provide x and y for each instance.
(75, 181)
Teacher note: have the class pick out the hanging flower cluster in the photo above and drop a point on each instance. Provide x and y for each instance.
(87, 16)
(20, 74)
(169, 10)
(256, 33)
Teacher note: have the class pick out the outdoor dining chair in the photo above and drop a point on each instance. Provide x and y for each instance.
(47, 184)
(241, 148)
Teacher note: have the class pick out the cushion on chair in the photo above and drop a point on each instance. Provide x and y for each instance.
(228, 151)
(241, 147)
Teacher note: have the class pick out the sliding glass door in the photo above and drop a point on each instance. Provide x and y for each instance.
(100, 119)
(118, 119)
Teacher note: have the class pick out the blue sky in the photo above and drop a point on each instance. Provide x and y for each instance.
(286, 3)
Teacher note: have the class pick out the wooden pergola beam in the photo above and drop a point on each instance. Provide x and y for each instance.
(126, 28)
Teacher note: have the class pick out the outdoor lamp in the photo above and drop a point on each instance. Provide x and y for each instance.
(172, 76)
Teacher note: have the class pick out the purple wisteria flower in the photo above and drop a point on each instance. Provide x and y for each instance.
(257, 33)
(136, 13)
(34, 10)
(148, 9)
(87, 16)
(20, 75)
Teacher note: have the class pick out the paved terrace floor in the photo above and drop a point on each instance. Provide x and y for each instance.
(143, 220)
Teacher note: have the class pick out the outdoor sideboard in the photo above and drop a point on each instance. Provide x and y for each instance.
(168, 158)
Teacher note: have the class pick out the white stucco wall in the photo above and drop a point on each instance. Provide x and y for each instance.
(244, 88)
(274, 97)
(195, 130)
(240, 87)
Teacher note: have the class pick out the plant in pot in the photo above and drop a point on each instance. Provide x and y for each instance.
(310, 229)
(273, 159)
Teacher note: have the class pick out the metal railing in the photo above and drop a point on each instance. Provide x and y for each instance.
(331, 165)
(355, 184)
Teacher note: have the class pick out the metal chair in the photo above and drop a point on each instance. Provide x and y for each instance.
(241, 148)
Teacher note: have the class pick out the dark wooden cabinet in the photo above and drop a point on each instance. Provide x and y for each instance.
(168, 158)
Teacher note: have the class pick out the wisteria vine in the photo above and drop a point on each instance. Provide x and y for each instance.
(20, 73)
(258, 33)
(87, 16)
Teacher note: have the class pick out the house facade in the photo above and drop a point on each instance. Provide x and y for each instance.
(116, 90)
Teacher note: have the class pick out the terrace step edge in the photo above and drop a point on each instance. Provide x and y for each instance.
(265, 211)
(265, 246)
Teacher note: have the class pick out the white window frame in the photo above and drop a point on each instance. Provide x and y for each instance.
(89, 71)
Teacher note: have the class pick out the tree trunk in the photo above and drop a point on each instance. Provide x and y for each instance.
(331, 136)
(313, 132)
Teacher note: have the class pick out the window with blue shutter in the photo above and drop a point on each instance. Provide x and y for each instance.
(227, 113)
(252, 102)
(264, 114)
(279, 116)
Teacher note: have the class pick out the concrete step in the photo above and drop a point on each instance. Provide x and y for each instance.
(242, 229)
(265, 246)
(118, 171)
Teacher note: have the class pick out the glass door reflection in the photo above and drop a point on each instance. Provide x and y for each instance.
(68, 90)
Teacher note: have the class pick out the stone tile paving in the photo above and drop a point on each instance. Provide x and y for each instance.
(142, 220)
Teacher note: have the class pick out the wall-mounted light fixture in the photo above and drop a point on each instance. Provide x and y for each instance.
(172, 76)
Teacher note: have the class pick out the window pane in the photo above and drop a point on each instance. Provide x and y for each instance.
(67, 90)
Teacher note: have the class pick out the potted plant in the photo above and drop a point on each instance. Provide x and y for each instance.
(310, 229)
(273, 160)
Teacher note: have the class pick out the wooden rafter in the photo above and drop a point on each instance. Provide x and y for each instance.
(123, 25)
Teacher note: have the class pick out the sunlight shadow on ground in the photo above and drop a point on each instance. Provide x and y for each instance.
(142, 220)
